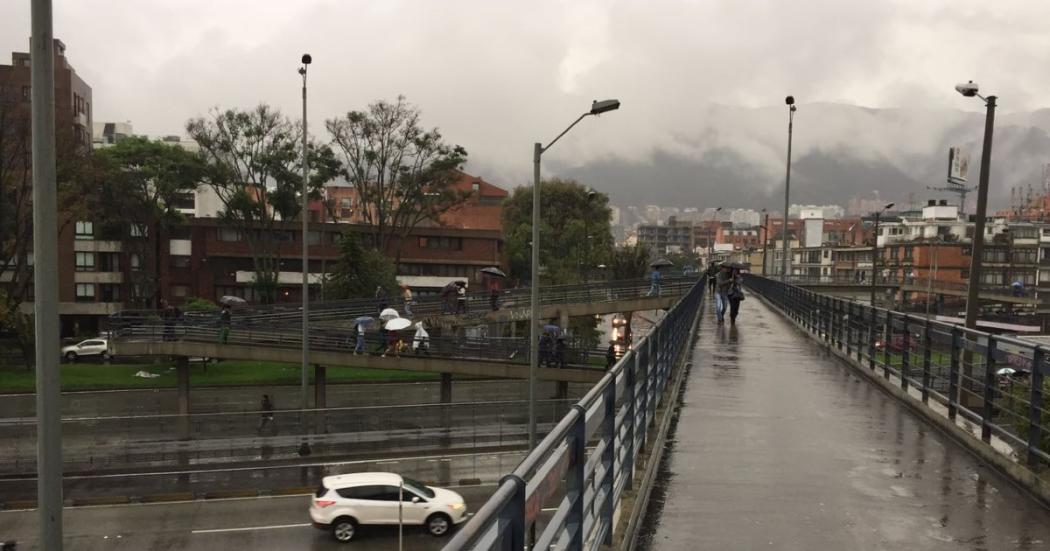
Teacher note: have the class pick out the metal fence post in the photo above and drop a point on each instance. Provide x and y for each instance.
(642, 425)
(905, 353)
(887, 340)
(989, 390)
(575, 480)
(871, 339)
(512, 518)
(927, 350)
(608, 461)
(849, 330)
(1035, 405)
(631, 394)
(953, 374)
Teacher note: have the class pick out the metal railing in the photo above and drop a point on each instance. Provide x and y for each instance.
(422, 307)
(587, 460)
(995, 382)
(915, 285)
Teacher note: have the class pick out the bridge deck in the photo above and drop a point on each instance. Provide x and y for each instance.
(779, 446)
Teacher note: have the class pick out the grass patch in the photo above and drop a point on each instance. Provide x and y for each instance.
(98, 376)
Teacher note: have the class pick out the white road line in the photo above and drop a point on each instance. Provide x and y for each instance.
(249, 528)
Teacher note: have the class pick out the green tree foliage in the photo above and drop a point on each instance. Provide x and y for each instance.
(359, 271)
(402, 172)
(255, 159)
(143, 180)
(629, 262)
(199, 304)
(574, 234)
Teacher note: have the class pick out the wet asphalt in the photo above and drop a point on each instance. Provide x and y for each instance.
(779, 446)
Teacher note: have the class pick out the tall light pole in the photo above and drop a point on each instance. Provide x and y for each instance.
(790, 101)
(875, 252)
(597, 108)
(45, 279)
(765, 245)
(970, 90)
(304, 399)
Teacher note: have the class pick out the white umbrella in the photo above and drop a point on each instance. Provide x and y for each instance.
(398, 324)
(1006, 371)
(231, 300)
(388, 314)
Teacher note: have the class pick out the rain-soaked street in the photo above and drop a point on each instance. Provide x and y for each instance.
(779, 446)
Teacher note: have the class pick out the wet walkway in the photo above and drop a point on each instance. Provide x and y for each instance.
(779, 446)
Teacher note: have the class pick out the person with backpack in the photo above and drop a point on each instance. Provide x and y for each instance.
(735, 295)
(654, 278)
(723, 282)
(225, 319)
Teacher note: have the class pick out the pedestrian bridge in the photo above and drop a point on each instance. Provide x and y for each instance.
(814, 423)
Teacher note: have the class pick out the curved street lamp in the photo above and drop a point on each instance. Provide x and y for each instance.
(597, 108)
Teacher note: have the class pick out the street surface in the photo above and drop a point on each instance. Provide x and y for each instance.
(260, 523)
(779, 446)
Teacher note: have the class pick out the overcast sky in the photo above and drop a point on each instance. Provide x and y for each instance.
(496, 76)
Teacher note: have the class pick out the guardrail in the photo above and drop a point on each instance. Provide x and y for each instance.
(995, 382)
(587, 460)
(348, 310)
(915, 285)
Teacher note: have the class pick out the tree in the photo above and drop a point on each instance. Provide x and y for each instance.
(359, 271)
(403, 173)
(629, 262)
(574, 234)
(256, 172)
(144, 181)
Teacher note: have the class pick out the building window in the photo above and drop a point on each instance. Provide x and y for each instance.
(109, 262)
(85, 292)
(229, 235)
(313, 238)
(179, 291)
(85, 262)
(180, 262)
(135, 261)
(139, 230)
(85, 230)
(442, 243)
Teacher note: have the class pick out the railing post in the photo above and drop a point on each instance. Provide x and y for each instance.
(953, 374)
(609, 460)
(575, 480)
(989, 390)
(848, 321)
(1035, 406)
(871, 339)
(927, 351)
(642, 426)
(512, 518)
(905, 353)
(887, 338)
(631, 393)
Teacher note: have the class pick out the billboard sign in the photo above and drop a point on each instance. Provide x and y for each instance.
(958, 164)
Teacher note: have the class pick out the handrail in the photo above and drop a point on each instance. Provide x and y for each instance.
(585, 464)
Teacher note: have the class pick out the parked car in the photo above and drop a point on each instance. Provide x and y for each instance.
(345, 502)
(96, 347)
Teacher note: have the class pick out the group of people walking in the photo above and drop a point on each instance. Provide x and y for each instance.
(725, 282)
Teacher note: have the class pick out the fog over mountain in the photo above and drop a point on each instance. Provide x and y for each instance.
(840, 152)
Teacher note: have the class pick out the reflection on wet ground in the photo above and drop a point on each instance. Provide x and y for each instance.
(780, 446)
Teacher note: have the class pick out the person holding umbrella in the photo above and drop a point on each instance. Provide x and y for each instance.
(394, 343)
(461, 297)
(654, 278)
(446, 296)
(360, 325)
(406, 296)
(421, 341)
(493, 276)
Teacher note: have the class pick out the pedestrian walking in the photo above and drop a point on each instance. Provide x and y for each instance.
(560, 348)
(735, 295)
(359, 347)
(461, 299)
(610, 355)
(421, 340)
(225, 319)
(546, 345)
(712, 275)
(406, 296)
(723, 281)
(382, 300)
(654, 287)
(494, 288)
(393, 344)
(266, 416)
(384, 336)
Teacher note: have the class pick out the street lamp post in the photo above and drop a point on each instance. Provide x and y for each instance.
(790, 101)
(972, 301)
(597, 108)
(875, 252)
(305, 379)
(765, 245)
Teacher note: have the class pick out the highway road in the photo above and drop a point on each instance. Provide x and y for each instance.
(258, 523)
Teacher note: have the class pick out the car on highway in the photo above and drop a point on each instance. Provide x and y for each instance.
(345, 502)
(97, 347)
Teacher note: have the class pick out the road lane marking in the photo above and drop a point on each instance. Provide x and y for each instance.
(250, 528)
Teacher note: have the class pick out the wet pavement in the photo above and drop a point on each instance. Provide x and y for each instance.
(780, 446)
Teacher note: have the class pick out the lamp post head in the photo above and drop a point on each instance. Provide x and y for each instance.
(790, 100)
(888, 206)
(967, 89)
(604, 106)
(307, 59)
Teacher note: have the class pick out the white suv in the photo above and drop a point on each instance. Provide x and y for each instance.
(344, 502)
(90, 347)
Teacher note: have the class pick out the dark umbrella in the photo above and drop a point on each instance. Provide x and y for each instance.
(365, 320)
(660, 263)
(737, 265)
(449, 288)
(551, 328)
(493, 271)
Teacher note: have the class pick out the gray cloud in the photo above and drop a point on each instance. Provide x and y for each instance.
(700, 81)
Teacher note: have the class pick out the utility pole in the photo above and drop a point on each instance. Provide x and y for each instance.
(45, 279)
(790, 101)
(304, 401)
